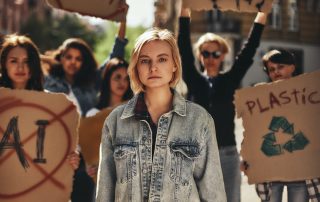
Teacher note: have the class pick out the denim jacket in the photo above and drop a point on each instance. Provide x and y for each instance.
(185, 165)
(86, 97)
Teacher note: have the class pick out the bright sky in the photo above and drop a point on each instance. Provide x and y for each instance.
(141, 12)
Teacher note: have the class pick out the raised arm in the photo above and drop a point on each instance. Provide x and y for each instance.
(244, 59)
(118, 47)
(121, 41)
(122, 29)
(191, 75)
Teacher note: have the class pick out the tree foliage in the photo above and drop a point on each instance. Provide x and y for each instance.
(49, 33)
(104, 47)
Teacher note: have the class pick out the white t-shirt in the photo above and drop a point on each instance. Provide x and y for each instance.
(92, 112)
(73, 98)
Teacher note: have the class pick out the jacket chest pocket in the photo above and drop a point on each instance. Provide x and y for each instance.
(125, 157)
(183, 157)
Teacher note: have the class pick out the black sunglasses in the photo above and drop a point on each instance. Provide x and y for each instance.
(215, 54)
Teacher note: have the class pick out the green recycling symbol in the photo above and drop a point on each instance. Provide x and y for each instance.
(297, 142)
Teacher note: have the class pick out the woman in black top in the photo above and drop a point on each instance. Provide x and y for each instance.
(214, 90)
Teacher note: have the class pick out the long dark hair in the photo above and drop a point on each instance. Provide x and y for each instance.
(36, 79)
(111, 66)
(87, 73)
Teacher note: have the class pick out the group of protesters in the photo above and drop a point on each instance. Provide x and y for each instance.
(155, 144)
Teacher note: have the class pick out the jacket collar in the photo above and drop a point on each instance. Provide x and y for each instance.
(178, 106)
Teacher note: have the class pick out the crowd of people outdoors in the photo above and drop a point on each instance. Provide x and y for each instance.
(159, 143)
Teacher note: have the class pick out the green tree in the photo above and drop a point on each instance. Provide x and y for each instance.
(104, 46)
(51, 32)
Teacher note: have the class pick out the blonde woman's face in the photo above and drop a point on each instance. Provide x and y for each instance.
(211, 57)
(156, 65)
(18, 68)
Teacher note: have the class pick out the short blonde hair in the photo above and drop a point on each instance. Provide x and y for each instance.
(210, 37)
(148, 36)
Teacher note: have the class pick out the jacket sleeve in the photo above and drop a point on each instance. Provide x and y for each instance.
(208, 173)
(191, 75)
(106, 180)
(244, 59)
(118, 50)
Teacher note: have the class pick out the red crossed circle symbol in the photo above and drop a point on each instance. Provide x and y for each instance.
(13, 102)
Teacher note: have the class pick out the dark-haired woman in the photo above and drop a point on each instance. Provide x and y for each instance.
(115, 87)
(21, 69)
(75, 74)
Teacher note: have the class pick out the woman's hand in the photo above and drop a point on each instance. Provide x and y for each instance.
(261, 18)
(123, 24)
(92, 170)
(74, 160)
(123, 6)
(244, 167)
(185, 12)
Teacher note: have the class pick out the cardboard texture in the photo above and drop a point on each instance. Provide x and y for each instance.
(105, 9)
(234, 5)
(41, 131)
(281, 129)
(90, 131)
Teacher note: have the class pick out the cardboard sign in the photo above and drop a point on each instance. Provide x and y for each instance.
(90, 131)
(235, 5)
(105, 9)
(37, 133)
(281, 129)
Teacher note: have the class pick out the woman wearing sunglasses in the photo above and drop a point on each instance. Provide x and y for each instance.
(214, 90)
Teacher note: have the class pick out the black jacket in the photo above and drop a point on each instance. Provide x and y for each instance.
(216, 94)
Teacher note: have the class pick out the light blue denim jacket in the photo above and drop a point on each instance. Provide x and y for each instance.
(86, 96)
(185, 165)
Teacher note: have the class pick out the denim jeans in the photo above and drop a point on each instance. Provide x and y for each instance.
(297, 191)
(230, 163)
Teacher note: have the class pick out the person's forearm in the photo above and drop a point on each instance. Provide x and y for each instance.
(261, 18)
(122, 30)
(185, 12)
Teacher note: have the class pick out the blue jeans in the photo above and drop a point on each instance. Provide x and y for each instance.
(230, 164)
(297, 191)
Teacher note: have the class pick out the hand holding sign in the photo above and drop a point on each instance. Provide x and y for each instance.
(281, 122)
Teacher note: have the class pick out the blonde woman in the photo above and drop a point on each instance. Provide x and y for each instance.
(158, 146)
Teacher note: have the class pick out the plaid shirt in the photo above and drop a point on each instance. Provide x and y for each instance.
(142, 113)
(313, 185)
